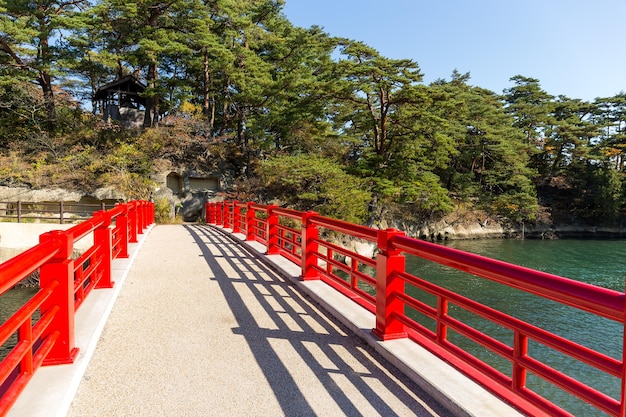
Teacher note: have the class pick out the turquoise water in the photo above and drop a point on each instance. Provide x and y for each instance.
(601, 263)
(10, 302)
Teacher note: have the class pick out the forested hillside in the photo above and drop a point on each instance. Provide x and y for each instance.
(296, 114)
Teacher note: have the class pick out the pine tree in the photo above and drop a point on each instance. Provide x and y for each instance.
(30, 33)
(370, 95)
(492, 155)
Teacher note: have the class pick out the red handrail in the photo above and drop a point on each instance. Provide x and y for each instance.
(387, 278)
(350, 229)
(64, 284)
(596, 300)
(16, 269)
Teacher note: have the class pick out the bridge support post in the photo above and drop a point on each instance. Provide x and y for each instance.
(389, 262)
(219, 214)
(138, 217)
(227, 218)
(208, 218)
(310, 234)
(273, 244)
(144, 216)
(250, 219)
(103, 239)
(141, 215)
(132, 220)
(151, 212)
(236, 217)
(622, 411)
(121, 223)
(59, 306)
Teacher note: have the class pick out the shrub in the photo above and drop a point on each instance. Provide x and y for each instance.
(308, 182)
(162, 211)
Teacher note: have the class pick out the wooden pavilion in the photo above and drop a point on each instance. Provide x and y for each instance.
(121, 101)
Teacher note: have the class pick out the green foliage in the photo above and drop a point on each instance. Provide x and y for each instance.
(426, 195)
(490, 158)
(309, 182)
(31, 46)
(530, 107)
(609, 193)
(162, 211)
(517, 206)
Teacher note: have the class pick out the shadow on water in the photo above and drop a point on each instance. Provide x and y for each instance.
(319, 341)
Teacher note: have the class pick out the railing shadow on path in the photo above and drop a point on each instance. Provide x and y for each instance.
(295, 332)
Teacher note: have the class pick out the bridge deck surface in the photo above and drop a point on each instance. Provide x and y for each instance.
(203, 328)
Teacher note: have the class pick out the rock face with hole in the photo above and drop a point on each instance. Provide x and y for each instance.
(186, 188)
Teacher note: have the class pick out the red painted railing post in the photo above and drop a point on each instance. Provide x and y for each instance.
(389, 262)
(121, 223)
(219, 213)
(310, 247)
(227, 205)
(273, 247)
(231, 214)
(520, 350)
(236, 217)
(622, 411)
(250, 221)
(152, 213)
(146, 214)
(213, 213)
(60, 271)
(103, 239)
(140, 217)
(137, 218)
(132, 221)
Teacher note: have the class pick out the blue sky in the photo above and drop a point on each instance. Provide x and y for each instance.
(575, 48)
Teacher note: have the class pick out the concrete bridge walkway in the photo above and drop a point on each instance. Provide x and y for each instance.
(203, 328)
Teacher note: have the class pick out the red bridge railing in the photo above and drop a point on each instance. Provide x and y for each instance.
(387, 292)
(44, 325)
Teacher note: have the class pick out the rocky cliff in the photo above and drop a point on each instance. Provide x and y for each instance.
(478, 225)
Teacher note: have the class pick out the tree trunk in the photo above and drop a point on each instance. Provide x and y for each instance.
(48, 96)
(147, 117)
(208, 106)
(156, 101)
(45, 81)
(152, 106)
(205, 92)
(151, 118)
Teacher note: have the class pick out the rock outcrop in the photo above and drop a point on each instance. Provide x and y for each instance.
(28, 195)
